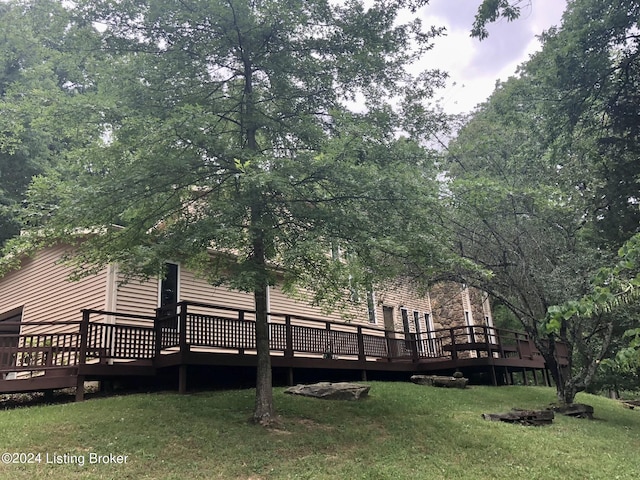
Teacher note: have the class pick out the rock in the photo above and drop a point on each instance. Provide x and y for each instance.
(578, 410)
(440, 381)
(630, 403)
(523, 417)
(331, 391)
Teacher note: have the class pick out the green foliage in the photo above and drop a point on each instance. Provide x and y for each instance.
(544, 184)
(212, 112)
(492, 10)
(223, 134)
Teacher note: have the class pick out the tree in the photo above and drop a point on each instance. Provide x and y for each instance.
(542, 178)
(34, 69)
(223, 125)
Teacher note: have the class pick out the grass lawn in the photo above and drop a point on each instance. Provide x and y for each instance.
(403, 431)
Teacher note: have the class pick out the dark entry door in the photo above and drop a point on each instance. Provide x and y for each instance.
(9, 337)
(389, 326)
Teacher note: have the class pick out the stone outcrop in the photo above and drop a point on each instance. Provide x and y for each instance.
(331, 391)
(440, 381)
(522, 417)
(578, 410)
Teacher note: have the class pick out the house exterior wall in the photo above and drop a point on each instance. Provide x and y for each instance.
(399, 296)
(449, 303)
(42, 288)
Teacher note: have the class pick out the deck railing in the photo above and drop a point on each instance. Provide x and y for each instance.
(105, 336)
(38, 350)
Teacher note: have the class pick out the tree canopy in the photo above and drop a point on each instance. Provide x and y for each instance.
(544, 184)
(267, 131)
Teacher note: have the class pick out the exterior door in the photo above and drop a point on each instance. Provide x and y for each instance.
(389, 326)
(9, 338)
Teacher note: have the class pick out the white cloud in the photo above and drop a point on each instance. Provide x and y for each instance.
(474, 66)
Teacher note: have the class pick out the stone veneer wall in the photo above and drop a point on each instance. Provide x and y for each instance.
(447, 306)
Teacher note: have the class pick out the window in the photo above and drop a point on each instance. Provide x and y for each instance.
(169, 285)
(419, 338)
(168, 295)
(430, 333)
(371, 306)
(405, 325)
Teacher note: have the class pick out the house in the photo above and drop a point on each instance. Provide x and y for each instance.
(54, 332)
(41, 292)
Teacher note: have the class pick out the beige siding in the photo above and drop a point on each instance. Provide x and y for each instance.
(139, 297)
(402, 295)
(196, 289)
(281, 303)
(43, 288)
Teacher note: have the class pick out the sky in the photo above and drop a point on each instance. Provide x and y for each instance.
(474, 65)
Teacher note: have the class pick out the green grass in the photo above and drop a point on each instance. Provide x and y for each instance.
(403, 431)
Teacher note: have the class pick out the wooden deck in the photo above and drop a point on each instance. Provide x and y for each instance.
(111, 345)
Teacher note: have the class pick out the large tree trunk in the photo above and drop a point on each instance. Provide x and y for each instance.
(263, 412)
(565, 387)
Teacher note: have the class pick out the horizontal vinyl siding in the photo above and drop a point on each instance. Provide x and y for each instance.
(196, 289)
(402, 295)
(136, 297)
(44, 289)
(283, 304)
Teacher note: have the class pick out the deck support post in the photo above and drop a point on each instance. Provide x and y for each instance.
(510, 376)
(494, 379)
(182, 379)
(390, 346)
(415, 355)
(364, 375)
(525, 380)
(547, 380)
(182, 330)
(80, 388)
(535, 377)
(82, 354)
(48, 396)
(454, 351)
(290, 376)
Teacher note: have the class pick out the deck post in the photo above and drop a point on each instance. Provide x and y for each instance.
(361, 354)
(494, 379)
(364, 375)
(182, 379)
(454, 352)
(80, 388)
(518, 347)
(290, 376)
(329, 352)
(535, 376)
(182, 332)
(387, 338)
(82, 354)
(414, 348)
(525, 380)
(288, 349)
(157, 327)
